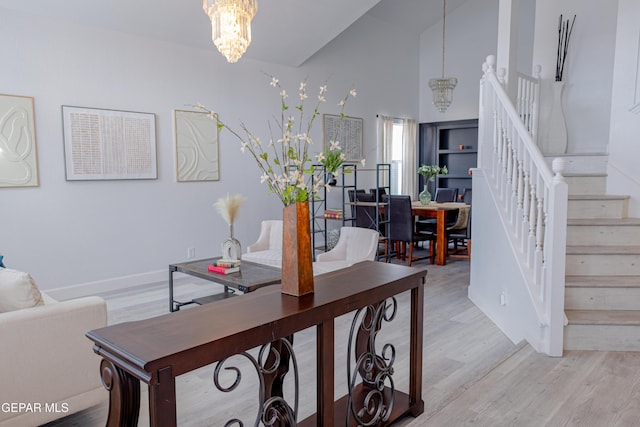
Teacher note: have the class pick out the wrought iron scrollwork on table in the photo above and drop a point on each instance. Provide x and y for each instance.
(375, 370)
(272, 364)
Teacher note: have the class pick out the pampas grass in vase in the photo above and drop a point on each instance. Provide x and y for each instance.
(228, 208)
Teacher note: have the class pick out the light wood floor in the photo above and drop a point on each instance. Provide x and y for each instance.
(473, 375)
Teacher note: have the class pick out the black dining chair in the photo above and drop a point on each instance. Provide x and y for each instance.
(467, 196)
(366, 217)
(401, 228)
(365, 214)
(443, 195)
(352, 199)
(379, 191)
(446, 195)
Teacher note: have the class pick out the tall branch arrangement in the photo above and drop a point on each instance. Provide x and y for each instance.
(565, 28)
(284, 160)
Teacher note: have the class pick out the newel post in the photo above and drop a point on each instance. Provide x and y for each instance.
(555, 254)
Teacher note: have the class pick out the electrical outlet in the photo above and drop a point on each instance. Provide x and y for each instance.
(503, 298)
(191, 253)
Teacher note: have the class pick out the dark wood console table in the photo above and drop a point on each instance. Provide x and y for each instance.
(157, 350)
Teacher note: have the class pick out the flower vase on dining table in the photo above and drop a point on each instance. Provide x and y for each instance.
(297, 267)
(425, 196)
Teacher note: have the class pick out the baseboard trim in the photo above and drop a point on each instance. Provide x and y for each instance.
(107, 285)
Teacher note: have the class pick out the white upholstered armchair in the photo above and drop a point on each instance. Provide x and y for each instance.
(354, 245)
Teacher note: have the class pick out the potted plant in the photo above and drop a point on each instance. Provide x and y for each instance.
(332, 158)
(429, 173)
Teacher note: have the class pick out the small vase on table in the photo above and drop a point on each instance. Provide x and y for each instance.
(231, 248)
(425, 196)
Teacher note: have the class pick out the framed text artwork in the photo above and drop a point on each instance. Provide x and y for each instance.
(18, 157)
(196, 136)
(348, 130)
(104, 144)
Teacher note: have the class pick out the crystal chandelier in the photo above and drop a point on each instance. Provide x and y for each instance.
(231, 25)
(443, 87)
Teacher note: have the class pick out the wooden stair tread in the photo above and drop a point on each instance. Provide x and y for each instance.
(605, 221)
(603, 250)
(584, 175)
(602, 282)
(604, 317)
(597, 197)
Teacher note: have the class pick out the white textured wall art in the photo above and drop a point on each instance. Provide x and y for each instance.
(196, 146)
(18, 157)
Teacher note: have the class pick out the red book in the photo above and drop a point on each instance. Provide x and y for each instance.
(223, 270)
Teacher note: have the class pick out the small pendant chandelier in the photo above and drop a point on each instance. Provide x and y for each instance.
(231, 25)
(443, 87)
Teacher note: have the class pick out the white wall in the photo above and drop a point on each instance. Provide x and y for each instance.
(69, 233)
(515, 315)
(471, 35)
(624, 146)
(588, 72)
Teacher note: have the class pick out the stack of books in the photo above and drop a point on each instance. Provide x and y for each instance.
(333, 213)
(224, 266)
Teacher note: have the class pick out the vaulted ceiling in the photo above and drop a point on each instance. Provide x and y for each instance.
(285, 32)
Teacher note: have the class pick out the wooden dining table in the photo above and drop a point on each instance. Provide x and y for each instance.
(439, 212)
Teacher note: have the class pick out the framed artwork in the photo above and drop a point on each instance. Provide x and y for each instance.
(348, 131)
(196, 137)
(102, 144)
(635, 104)
(18, 156)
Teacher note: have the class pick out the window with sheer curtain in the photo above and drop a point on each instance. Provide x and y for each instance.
(398, 146)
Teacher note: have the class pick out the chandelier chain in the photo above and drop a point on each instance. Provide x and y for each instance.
(444, 20)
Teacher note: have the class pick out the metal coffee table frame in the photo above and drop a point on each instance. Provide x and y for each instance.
(251, 276)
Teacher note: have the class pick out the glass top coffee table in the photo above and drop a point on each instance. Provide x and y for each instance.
(250, 277)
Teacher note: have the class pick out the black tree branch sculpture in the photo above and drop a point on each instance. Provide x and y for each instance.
(564, 34)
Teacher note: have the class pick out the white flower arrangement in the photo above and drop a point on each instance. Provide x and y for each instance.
(284, 161)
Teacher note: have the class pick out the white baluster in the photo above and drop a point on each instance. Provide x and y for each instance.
(533, 217)
(535, 106)
(526, 167)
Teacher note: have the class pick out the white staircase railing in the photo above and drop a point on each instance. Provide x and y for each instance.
(528, 101)
(531, 199)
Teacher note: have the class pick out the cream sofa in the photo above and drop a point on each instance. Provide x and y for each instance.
(48, 369)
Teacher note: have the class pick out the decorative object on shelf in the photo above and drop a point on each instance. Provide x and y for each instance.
(228, 208)
(557, 139)
(288, 170)
(297, 267)
(231, 25)
(332, 238)
(443, 87)
(332, 158)
(429, 173)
